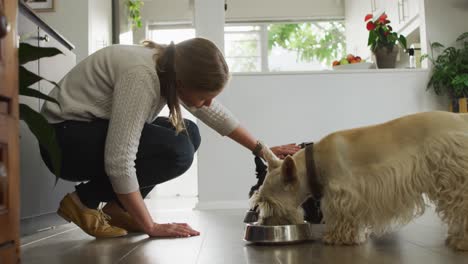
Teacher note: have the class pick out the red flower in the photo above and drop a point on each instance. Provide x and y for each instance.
(370, 26)
(383, 18)
(380, 32)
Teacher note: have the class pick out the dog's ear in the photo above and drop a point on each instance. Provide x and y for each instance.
(288, 170)
(270, 157)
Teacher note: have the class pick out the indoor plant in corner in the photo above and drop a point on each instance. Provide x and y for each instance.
(382, 41)
(44, 133)
(450, 72)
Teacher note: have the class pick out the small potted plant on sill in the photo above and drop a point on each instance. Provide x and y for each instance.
(450, 72)
(383, 41)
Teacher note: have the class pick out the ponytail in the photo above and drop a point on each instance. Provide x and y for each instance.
(165, 67)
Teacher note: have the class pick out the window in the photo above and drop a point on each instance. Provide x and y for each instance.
(270, 47)
(242, 48)
(164, 34)
(265, 47)
(185, 186)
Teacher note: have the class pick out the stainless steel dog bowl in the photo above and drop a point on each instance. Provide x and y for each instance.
(282, 234)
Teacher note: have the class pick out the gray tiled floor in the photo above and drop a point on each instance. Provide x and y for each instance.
(220, 241)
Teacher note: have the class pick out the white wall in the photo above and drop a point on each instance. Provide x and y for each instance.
(100, 24)
(159, 10)
(70, 19)
(181, 10)
(125, 27)
(356, 32)
(294, 108)
(85, 23)
(280, 9)
(445, 20)
(209, 21)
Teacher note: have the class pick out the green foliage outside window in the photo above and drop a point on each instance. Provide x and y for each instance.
(322, 41)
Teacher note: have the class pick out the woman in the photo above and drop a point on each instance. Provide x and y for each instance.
(110, 135)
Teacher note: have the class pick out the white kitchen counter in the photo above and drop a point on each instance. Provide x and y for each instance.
(370, 71)
(281, 108)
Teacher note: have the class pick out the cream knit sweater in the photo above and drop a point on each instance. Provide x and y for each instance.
(119, 83)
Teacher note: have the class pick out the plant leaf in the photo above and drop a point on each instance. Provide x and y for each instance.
(28, 78)
(423, 57)
(25, 91)
(402, 40)
(44, 133)
(462, 36)
(27, 52)
(372, 36)
(436, 45)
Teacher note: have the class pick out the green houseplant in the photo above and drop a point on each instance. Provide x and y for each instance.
(450, 72)
(383, 41)
(134, 7)
(41, 129)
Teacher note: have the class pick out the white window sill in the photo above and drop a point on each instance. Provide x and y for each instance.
(371, 71)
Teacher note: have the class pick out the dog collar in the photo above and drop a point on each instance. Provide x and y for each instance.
(315, 187)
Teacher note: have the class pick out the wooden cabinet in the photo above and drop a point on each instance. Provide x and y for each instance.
(39, 194)
(9, 163)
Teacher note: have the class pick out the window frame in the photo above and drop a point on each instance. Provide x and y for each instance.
(263, 24)
(168, 25)
(263, 33)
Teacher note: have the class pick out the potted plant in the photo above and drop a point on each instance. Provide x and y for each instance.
(42, 130)
(383, 41)
(134, 12)
(450, 72)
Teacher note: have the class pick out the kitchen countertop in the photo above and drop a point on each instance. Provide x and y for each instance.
(365, 71)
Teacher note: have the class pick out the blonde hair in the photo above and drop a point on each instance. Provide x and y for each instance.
(197, 63)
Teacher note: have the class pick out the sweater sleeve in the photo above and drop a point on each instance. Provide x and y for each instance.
(217, 117)
(133, 98)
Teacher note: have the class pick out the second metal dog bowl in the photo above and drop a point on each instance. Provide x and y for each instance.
(283, 234)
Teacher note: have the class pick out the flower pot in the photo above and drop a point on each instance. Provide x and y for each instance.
(459, 105)
(386, 58)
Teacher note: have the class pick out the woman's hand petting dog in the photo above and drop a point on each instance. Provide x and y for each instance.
(285, 150)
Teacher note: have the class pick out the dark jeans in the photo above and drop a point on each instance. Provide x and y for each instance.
(162, 155)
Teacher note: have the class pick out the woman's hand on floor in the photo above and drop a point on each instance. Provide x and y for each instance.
(172, 230)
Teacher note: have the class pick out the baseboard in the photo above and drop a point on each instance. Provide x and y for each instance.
(227, 204)
(35, 224)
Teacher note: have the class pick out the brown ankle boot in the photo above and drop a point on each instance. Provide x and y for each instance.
(93, 222)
